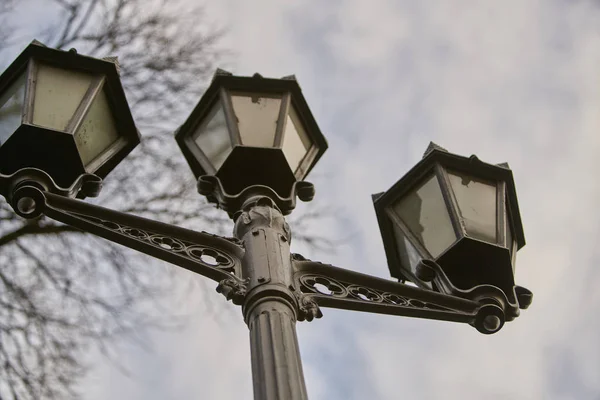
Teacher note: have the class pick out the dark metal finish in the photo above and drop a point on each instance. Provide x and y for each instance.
(329, 286)
(258, 272)
(469, 262)
(212, 256)
(335, 287)
(256, 187)
(86, 185)
(28, 146)
(211, 187)
(247, 165)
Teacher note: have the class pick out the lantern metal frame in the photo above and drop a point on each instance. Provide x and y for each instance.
(437, 163)
(105, 78)
(270, 163)
(256, 269)
(220, 90)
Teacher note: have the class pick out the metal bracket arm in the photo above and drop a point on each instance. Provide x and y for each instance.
(212, 256)
(328, 286)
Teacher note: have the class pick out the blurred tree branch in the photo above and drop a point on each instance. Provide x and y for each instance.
(62, 291)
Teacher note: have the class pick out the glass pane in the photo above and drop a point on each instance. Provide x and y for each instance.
(477, 203)
(409, 257)
(212, 137)
(257, 118)
(11, 108)
(295, 140)
(424, 212)
(58, 93)
(97, 131)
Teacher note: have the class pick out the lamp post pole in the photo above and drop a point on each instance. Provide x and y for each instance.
(250, 142)
(270, 306)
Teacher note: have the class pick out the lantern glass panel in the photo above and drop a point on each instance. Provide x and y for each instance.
(257, 116)
(408, 254)
(11, 108)
(477, 204)
(98, 130)
(295, 140)
(58, 93)
(425, 213)
(212, 137)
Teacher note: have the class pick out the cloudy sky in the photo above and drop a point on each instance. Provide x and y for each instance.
(514, 81)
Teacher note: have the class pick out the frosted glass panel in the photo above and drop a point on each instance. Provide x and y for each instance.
(212, 137)
(424, 212)
(477, 204)
(409, 257)
(58, 93)
(98, 130)
(295, 140)
(257, 118)
(11, 108)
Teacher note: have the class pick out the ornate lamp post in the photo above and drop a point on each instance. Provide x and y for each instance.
(451, 225)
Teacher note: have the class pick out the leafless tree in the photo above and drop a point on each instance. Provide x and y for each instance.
(62, 291)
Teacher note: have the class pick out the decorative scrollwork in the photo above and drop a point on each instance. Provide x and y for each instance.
(208, 256)
(233, 290)
(325, 286)
(85, 185)
(307, 307)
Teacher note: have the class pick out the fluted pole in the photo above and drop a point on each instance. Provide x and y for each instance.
(270, 307)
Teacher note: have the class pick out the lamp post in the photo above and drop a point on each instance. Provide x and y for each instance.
(451, 225)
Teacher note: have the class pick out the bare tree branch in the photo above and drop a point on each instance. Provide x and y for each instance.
(61, 290)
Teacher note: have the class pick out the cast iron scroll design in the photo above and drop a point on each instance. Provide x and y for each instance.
(307, 307)
(233, 289)
(518, 297)
(329, 286)
(212, 256)
(86, 185)
(211, 187)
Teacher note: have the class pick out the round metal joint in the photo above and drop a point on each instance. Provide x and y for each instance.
(28, 202)
(306, 192)
(490, 319)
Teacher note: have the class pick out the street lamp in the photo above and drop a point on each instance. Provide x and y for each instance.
(451, 225)
(63, 113)
(249, 132)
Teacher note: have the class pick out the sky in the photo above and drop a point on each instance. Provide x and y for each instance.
(512, 81)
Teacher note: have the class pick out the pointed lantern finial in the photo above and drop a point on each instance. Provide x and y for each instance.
(432, 146)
